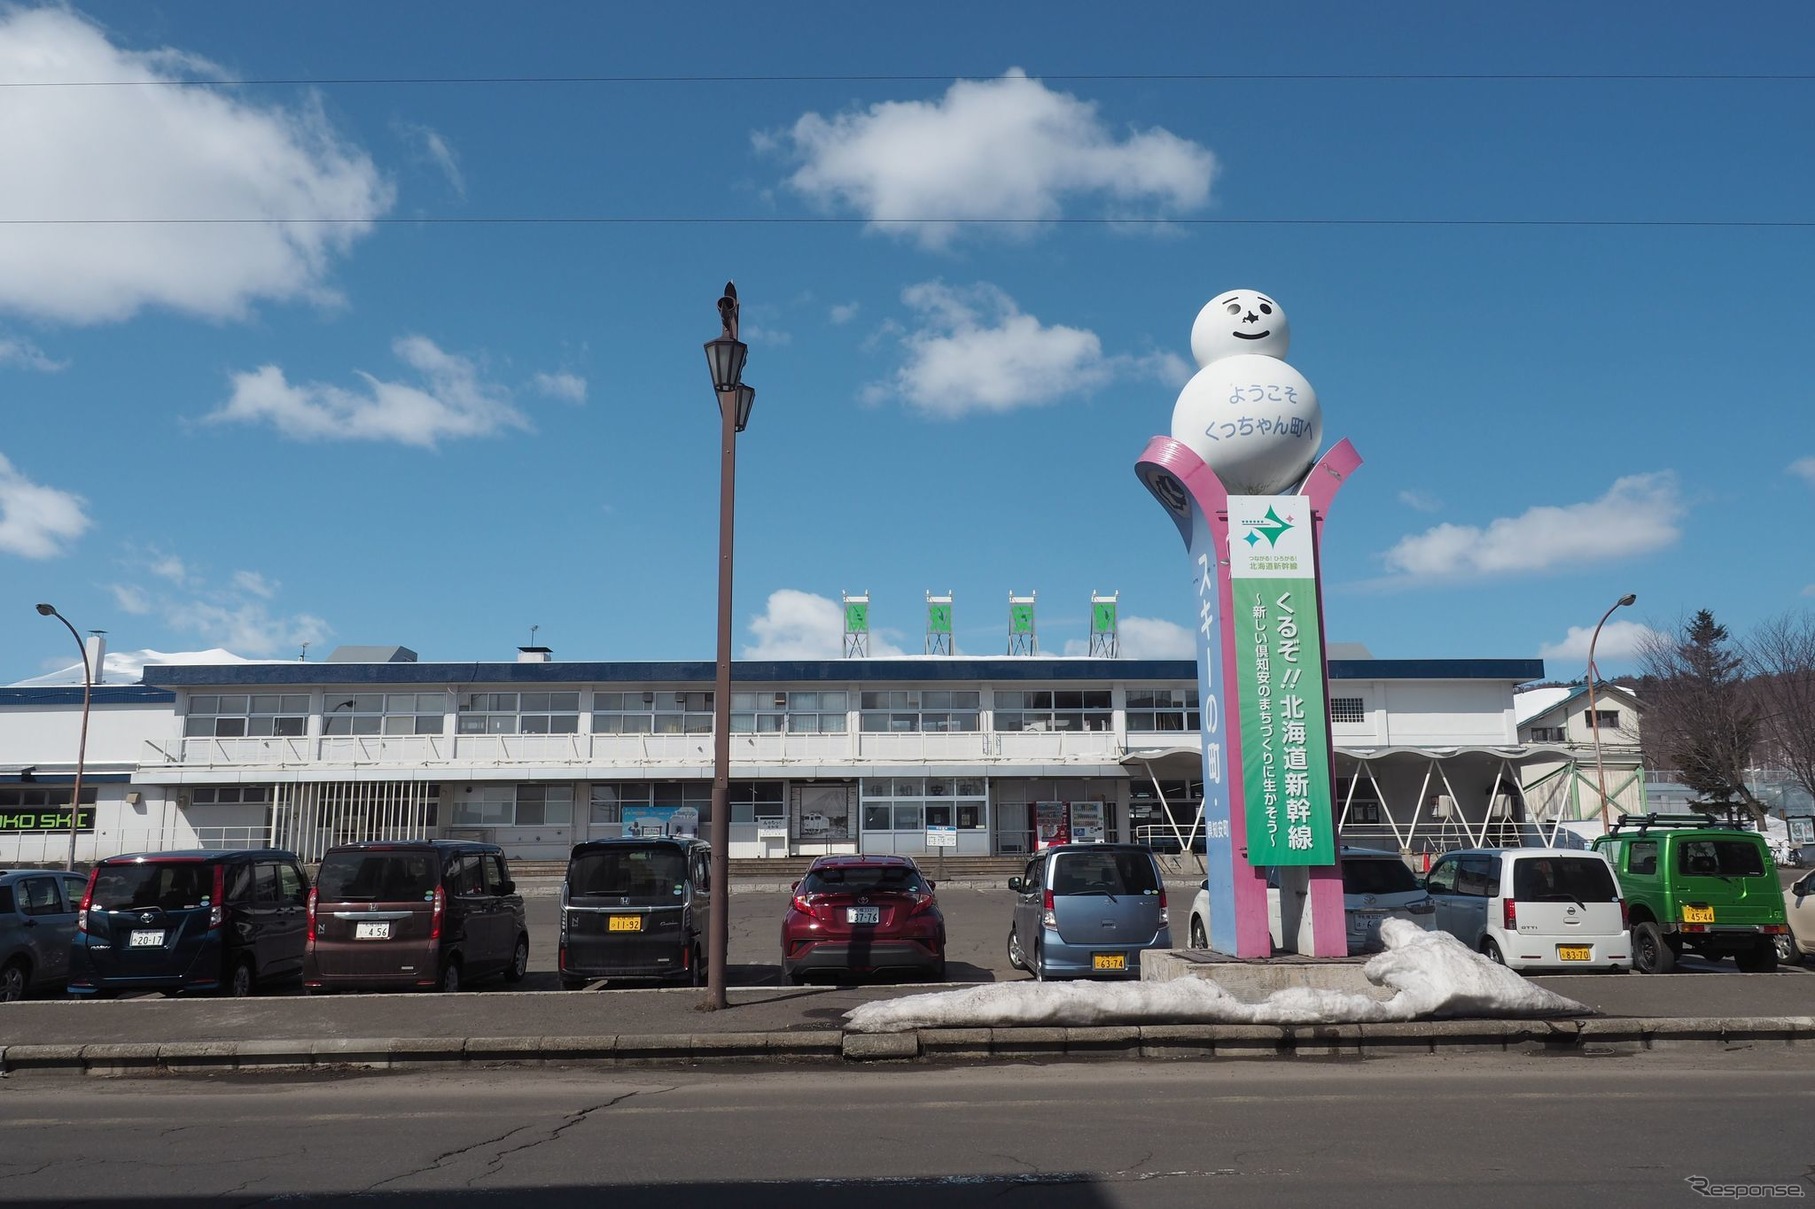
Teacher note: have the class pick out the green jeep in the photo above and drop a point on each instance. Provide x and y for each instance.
(1691, 883)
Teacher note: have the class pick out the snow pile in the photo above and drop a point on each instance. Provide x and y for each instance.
(1431, 974)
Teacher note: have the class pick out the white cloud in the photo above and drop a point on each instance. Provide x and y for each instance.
(1620, 640)
(254, 584)
(245, 626)
(127, 667)
(130, 599)
(844, 312)
(975, 350)
(452, 402)
(429, 145)
(169, 566)
(1637, 515)
(37, 521)
(1144, 638)
(569, 388)
(800, 625)
(152, 152)
(1422, 501)
(26, 355)
(1002, 149)
(1804, 469)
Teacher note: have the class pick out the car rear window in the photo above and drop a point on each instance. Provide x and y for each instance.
(137, 886)
(858, 879)
(1720, 858)
(1564, 880)
(1371, 875)
(6, 900)
(377, 877)
(639, 874)
(1105, 873)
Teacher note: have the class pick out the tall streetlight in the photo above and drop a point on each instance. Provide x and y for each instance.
(725, 357)
(88, 681)
(1594, 719)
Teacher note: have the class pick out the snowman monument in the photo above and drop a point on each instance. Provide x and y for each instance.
(1241, 478)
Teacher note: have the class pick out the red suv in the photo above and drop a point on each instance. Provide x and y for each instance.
(860, 915)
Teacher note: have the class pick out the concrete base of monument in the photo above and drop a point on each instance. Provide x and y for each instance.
(1251, 980)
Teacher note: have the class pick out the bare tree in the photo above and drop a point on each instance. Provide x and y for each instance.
(1700, 714)
(1780, 656)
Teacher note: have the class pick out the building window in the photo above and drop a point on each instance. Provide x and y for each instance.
(652, 713)
(520, 714)
(802, 713)
(1050, 709)
(230, 795)
(1149, 821)
(921, 710)
(1348, 709)
(515, 806)
(1152, 709)
(383, 714)
(916, 803)
(45, 798)
(1602, 719)
(653, 807)
(251, 716)
(1547, 734)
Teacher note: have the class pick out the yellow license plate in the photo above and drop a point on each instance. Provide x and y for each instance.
(1108, 961)
(625, 923)
(1698, 915)
(1573, 952)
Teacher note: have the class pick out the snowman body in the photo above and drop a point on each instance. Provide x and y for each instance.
(1253, 418)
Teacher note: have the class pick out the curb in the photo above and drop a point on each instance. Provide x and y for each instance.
(1628, 1035)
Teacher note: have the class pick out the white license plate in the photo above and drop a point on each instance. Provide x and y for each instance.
(863, 915)
(372, 931)
(146, 940)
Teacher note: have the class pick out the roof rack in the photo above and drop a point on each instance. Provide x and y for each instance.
(1644, 822)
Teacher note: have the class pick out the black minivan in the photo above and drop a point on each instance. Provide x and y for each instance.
(636, 908)
(227, 920)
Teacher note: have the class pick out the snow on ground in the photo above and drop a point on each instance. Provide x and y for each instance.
(1431, 974)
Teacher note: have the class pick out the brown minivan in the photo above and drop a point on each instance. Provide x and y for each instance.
(418, 914)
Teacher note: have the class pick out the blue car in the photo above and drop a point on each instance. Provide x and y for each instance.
(1087, 911)
(37, 921)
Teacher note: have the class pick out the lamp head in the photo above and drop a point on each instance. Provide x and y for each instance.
(45, 610)
(1629, 598)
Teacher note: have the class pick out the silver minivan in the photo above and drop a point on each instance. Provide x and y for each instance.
(1533, 908)
(1087, 911)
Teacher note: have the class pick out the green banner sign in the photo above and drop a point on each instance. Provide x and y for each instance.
(1285, 731)
(856, 617)
(1102, 617)
(1020, 619)
(938, 618)
(41, 819)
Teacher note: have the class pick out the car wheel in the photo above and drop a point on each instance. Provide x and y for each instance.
(1198, 939)
(13, 981)
(1760, 960)
(1650, 953)
(798, 977)
(1016, 958)
(519, 961)
(1786, 948)
(238, 983)
(450, 976)
(1491, 951)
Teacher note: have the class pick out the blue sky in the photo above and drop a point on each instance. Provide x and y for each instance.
(1546, 267)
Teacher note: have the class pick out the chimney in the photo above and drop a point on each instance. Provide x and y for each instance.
(96, 646)
(534, 654)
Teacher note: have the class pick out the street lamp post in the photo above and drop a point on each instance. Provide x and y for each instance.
(88, 681)
(1594, 719)
(725, 357)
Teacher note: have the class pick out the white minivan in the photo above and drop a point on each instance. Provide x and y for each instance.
(1533, 908)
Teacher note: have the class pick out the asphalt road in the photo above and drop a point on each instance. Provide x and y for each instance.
(1551, 1131)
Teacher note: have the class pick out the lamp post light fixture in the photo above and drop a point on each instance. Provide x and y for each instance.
(1594, 719)
(88, 681)
(725, 357)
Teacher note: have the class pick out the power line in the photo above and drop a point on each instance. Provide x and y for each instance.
(1079, 78)
(833, 220)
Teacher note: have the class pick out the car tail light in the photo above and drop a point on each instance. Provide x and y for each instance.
(88, 898)
(561, 958)
(1775, 929)
(1047, 918)
(1509, 916)
(922, 904)
(1625, 916)
(440, 909)
(309, 914)
(804, 904)
(1162, 896)
(217, 910)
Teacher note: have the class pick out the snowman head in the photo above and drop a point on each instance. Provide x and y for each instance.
(1240, 321)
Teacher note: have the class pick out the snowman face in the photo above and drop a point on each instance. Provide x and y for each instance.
(1240, 321)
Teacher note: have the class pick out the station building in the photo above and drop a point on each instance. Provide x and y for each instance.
(979, 756)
